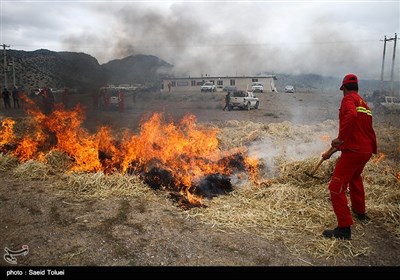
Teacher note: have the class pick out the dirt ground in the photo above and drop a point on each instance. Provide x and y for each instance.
(62, 229)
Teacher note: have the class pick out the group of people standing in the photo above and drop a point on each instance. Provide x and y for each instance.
(15, 93)
(46, 102)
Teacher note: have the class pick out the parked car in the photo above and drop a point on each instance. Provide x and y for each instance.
(114, 99)
(207, 86)
(243, 100)
(35, 92)
(391, 104)
(109, 98)
(289, 89)
(257, 87)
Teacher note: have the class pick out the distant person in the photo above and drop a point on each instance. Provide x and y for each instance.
(134, 95)
(23, 95)
(51, 99)
(65, 97)
(169, 86)
(95, 99)
(48, 100)
(6, 98)
(357, 142)
(227, 100)
(15, 96)
(106, 100)
(121, 101)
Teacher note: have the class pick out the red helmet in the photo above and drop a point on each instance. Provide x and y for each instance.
(349, 78)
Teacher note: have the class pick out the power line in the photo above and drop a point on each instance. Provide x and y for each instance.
(196, 44)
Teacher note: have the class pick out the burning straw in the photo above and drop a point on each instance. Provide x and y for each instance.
(285, 206)
(184, 150)
(58, 161)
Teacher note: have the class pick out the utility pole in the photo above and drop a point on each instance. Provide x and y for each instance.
(13, 62)
(383, 62)
(5, 65)
(393, 60)
(394, 55)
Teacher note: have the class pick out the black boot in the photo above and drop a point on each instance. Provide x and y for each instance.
(361, 217)
(339, 232)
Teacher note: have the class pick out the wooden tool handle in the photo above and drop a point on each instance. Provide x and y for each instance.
(316, 167)
(332, 150)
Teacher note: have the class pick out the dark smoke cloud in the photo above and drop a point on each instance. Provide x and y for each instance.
(235, 38)
(185, 39)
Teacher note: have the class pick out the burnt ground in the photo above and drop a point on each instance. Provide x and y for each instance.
(62, 229)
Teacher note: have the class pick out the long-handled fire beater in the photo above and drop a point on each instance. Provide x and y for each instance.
(330, 152)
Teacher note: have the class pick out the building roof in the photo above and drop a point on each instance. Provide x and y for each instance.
(221, 77)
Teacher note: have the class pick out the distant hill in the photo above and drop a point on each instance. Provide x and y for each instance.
(136, 69)
(40, 68)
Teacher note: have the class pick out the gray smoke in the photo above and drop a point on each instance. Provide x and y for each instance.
(234, 39)
(270, 151)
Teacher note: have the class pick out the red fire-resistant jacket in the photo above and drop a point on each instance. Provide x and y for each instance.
(355, 125)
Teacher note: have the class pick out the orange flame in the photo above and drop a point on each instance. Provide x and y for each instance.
(380, 158)
(187, 150)
(252, 164)
(26, 149)
(7, 131)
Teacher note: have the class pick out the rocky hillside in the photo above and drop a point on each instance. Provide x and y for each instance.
(141, 69)
(40, 68)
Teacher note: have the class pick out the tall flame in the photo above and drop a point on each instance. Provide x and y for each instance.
(187, 150)
(7, 131)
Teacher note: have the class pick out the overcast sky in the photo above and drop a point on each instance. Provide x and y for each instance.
(330, 38)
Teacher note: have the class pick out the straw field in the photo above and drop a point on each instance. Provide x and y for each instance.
(283, 204)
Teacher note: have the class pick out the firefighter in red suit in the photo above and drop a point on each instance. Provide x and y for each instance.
(121, 99)
(357, 142)
(106, 99)
(65, 97)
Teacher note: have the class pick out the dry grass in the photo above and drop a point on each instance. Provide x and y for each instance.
(101, 185)
(33, 170)
(289, 206)
(58, 160)
(295, 208)
(7, 162)
(287, 212)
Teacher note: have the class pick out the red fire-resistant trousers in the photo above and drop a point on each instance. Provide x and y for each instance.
(347, 175)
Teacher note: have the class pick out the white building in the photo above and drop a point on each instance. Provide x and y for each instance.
(240, 82)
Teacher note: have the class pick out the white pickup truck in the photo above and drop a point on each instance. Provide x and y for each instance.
(257, 87)
(208, 86)
(391, 104)
(243, 100)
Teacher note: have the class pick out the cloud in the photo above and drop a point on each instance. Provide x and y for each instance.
(217, 38)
